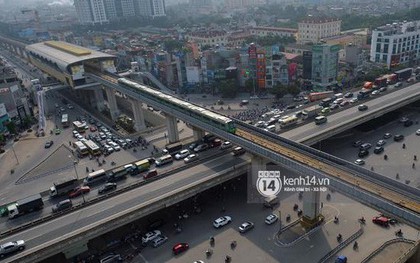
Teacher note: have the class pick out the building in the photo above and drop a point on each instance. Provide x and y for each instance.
(150, 8)
(307, 65)
(211, 38)
(313, 30)
(297, 49)
(277, 71)
(396, 44)
(261, 31)
(110, 10)
(324, 65)
(127, 8)
(158, 8)
(91, 11)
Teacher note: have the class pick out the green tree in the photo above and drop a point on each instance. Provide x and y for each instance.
(293, 89)
(228, 88)
(279, 90)
(11, 127)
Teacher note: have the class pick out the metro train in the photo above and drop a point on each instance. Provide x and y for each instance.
(197, 112)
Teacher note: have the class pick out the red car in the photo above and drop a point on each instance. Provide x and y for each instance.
(381, 220)
(92, 129)
(78, 191)
(179, 248)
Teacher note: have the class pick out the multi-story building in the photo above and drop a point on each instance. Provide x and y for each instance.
(277, 72)
(127, 8)
(110, 9)
(313, 30)
(324, 65)
(261, 31)
(91, 11)
(150, 8)
(157, 8)
(396, 44)
(208, 38)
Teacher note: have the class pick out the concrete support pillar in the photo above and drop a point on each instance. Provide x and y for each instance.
(112, 104)
(139, 123)
(311, 208)
(172, 125)
(258, 164)
(99, 98)
(198, 133)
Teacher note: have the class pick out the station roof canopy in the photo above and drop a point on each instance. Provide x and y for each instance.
(65, 54)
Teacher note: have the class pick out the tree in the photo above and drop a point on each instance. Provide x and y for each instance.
(11, 127)
(279, 90)
(293, 89)
(249, 85)
(228, 88)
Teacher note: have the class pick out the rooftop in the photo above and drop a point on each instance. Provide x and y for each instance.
(64, 53)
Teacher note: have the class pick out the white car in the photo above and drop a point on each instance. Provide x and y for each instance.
(222, 221)
(359, 162)
(11, 247)
(79, 137)
(150, 236)
(226, 145)
(271, 219)
(75, 133)
(182, 154)
(191, 158)
(418, 132)
(375, 92)
(354, 100)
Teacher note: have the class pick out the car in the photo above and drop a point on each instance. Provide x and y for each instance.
(246, 226)
(111, 258)
(69, 106)
(79, 191)
(363, 153)
(375, 92)
(383, 89)
(344, 103)
(48, 144)
(159, 240)
(226, 145)
(62, 109)
(362, 107)
(92, 128)
(418, 132)
(107, 187)
(334, 106)
(380, 143)
(192, 146)
(387, 135)
(354, 100)
(378, 149)
(215, 143)
(191, 158)
(398, 84)
(359, 162)
(271, 219)
(75, 133)
(398, 137)
(408, 123)
(57, 131)
(348, 95)
(357, 143)
(325, 110)
(403, 119)
(115, 146)
(198, 261)
(102, 136)
(11, 247)
(222, 221)
(182, 154)
(365, 146)
(381, 220)
(179, 248)
(79, 137)
(62, 205)
(201, 147)
(150, 236)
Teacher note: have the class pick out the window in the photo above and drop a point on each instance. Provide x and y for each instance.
(386, 46)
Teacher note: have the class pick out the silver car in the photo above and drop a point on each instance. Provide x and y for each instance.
(158, 241)
(11, 247)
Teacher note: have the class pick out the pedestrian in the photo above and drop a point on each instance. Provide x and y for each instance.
(403, 146)
(415, 157)
(69, 143)
(397, 176)
(413, 166)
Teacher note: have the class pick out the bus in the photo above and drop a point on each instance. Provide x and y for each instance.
(79, 127)
(95, 177)
(288, 121)
(92, 148)
(81, 149)
(65, 121)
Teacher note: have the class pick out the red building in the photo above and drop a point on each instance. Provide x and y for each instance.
(261, 67)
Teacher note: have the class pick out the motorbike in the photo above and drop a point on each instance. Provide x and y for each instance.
(212, 241)
(113, 163)
(355, 245)
(209, 252)
(295, 207)
(398, 233)
(233, 244)
(288, 217)
(339, 238)
(336, 219)
(362, 220)
(228, 259)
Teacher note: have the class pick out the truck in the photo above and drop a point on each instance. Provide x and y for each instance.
(391, 78)
(173, 148)
(381, 81)
(63, 187)
(314, 96)
(26, 205)
(311, 111)
(363, 94)
(404, 74)
(368, 85)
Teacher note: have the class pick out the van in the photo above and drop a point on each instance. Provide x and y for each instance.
(150, 174)
(338, 95)
(320, 120)
(271, 128)
(271, 201)
(164, 160)
(238, 151)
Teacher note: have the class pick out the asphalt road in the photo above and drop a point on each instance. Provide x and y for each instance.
(310, 129)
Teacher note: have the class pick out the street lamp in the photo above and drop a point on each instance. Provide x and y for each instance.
(77, 175)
